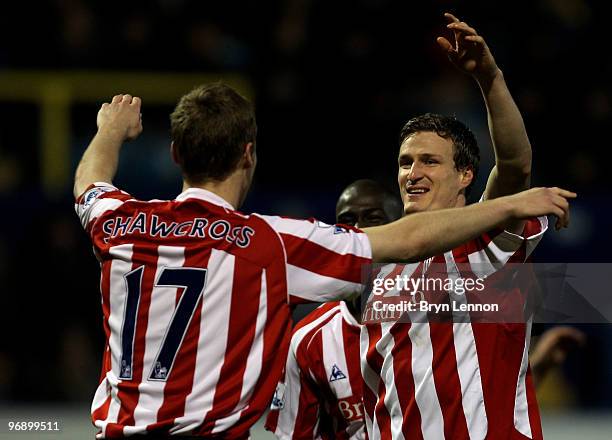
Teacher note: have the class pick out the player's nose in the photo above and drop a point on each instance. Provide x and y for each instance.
(415, 173)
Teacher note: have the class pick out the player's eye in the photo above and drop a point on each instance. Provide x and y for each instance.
(350, 221)
(376, 219)
(405, 163)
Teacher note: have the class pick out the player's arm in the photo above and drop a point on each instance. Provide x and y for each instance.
(424, 234)
(552, 349)
(512, 170)
(118, 122)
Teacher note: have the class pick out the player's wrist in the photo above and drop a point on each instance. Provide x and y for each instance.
(112, 134)
(487, 78)
(507, 207)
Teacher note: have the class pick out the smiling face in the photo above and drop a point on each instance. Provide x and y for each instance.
(427, 176)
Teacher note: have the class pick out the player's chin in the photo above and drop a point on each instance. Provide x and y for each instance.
(411, 207)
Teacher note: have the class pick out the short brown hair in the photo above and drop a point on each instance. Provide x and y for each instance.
(210, 127)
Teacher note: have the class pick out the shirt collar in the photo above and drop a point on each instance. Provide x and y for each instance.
(203, 194)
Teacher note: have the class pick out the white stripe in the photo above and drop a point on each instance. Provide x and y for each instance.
(114, 407)
(253, 363)
(343, 243)
(121, 264)
(384, 346)
(468, 368)
(100, 396)
(370, 379)
(212, 342)
(334, 354)
(320, 288)
(161, 309)
(99, 207)
(521, 406)
(425, 394)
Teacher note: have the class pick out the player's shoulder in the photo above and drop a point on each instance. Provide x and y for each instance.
(320, 314)
(307, 327)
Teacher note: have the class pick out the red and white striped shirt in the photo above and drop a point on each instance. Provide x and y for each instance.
(320, 396)
(462, 380)
(195, 302)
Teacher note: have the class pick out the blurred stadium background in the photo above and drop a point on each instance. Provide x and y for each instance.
(333, 82)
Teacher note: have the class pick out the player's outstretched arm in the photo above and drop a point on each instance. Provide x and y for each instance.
(425, 234)
(471, 54)
(118, 122)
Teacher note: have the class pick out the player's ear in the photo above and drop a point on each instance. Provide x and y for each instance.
(467, 175)
(174, 153)
(249, 157)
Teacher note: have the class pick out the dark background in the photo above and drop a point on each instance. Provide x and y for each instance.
(333, 82)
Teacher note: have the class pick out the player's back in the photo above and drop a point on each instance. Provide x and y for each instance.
(187, 288)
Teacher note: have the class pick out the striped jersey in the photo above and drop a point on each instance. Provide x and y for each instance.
(320, 395)
(453, 380)
(196, 306)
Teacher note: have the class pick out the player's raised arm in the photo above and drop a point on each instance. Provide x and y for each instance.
(471, 55)
(118, 122)
(424, 234)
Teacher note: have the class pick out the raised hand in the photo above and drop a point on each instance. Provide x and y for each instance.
(552, 349)
(469, 52)
(543, 201)
(121, 117)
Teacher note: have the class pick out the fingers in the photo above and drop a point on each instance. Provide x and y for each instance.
(451, 18)
(563, 219)
(560, 200)
(444, 44)
(462, 27)
(475, 39)
(564, 193)
(126, 98)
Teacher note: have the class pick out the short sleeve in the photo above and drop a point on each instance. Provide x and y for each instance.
(491, 251)
(324, 262)
(97, 199)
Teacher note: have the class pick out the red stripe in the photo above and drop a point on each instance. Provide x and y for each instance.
(308, 408)
(101, 413)
(404, 381)
(128, 389)
(323, 261)
(350, 337)
(446, 378)
(532, 408)
(180, 379)
(272, 420)
(375, 360)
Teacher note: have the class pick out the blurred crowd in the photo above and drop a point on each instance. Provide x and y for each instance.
(333, 83)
